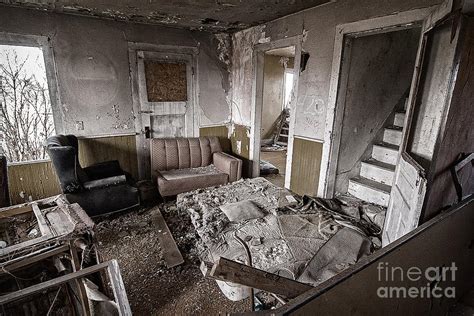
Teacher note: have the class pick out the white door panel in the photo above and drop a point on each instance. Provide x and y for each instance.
(409, 186)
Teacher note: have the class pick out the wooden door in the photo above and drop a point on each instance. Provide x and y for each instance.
(166, 100)
(429, 94)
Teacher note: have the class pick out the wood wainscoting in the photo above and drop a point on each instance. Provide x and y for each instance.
(306, 166)
(220, 131)
(37, 179)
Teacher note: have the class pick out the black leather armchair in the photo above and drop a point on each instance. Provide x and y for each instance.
(99, 189)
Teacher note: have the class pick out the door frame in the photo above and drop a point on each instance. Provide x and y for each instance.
(257, 101)
(335, 111)
(142, 144)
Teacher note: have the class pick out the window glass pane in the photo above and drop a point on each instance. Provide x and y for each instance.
(26, 118)
(166, 82)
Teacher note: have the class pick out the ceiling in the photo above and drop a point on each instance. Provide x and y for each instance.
(208, 15)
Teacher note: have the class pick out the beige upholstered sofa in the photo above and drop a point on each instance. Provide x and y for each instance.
(185, 164)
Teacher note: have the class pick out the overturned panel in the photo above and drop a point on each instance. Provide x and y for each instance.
(165, 82)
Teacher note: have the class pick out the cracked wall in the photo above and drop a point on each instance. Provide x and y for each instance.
(92, 66)
(318, 26)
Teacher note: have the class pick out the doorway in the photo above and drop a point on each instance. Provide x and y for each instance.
(376, 75)
(278, 85)
(275, 91)
(164, 91)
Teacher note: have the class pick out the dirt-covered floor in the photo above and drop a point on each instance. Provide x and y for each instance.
(152, 288)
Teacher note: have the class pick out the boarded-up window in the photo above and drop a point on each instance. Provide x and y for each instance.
(165, 82)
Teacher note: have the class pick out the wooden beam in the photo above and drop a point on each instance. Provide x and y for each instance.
(171, 253)
(115, 281)
(231, 271)
(21, 262)
(76, 266)
(51, 283)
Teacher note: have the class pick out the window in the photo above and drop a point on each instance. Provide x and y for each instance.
(288, 82)
(26, 117)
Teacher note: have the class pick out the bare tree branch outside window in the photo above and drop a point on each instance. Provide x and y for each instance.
(26, 118)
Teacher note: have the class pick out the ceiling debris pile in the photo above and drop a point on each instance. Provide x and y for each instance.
(256, 223)
(49, 263)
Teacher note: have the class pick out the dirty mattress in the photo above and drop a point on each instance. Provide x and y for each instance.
(309, 240)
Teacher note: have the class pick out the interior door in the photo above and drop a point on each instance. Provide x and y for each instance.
(429, 92)
(166, 99)
(166, 94)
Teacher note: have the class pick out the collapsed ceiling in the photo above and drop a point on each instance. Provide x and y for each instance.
(208, 15)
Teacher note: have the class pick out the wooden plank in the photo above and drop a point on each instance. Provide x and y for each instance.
(76, 265)
(440, 242)
(171, 253)
(42, 225)
(115, 280)
(51, 283)
(15, 210)
(231, 271)
(22, 262)
(118, 288)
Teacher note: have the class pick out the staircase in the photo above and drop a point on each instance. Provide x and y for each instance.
(375, 179)
(283, 129)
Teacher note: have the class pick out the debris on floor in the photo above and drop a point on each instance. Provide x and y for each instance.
(48, 263)
(294, 241)
(273, 147)
(267, 168)
(152, 287)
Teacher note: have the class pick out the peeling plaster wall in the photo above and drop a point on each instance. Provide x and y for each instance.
(92, 64)
(318, 25)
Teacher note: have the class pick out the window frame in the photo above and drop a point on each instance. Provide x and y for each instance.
(44, 43)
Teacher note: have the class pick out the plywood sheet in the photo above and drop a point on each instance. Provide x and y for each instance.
(165, 82)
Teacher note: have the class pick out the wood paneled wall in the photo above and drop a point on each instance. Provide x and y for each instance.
(121, 148)
(32, 181)
(306, 166)
(240, 141)
(37, 180)
(220, 131)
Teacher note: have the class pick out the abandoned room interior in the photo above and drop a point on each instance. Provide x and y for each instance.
(237, 157)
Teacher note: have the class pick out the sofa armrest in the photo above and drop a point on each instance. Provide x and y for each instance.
(228, 164)
(104, 170)
(106, 182)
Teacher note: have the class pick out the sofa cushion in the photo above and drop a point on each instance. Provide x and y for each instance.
(173, 182)
(180, 153)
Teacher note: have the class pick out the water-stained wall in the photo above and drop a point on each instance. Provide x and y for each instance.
(92, 65)
(317, 26)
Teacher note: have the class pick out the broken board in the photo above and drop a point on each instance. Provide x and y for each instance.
(171, 253)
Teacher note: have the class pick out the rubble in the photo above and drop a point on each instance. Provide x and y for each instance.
(285, 238)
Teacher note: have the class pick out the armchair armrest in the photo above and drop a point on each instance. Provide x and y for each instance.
(105, 182)
(228, 164)
(104, 170)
